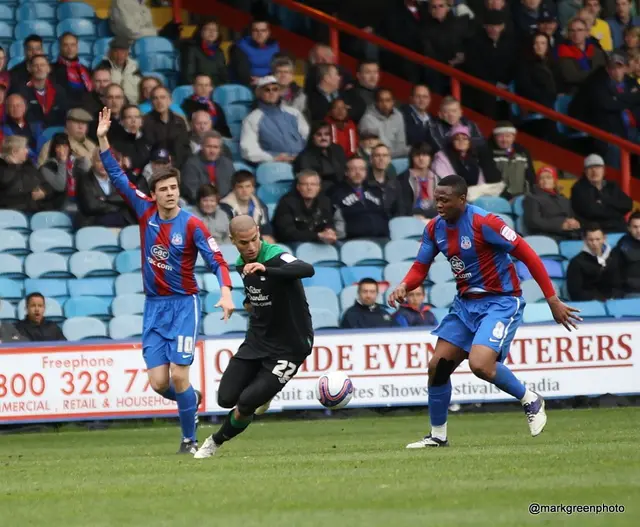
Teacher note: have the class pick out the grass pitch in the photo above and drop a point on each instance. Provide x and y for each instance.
(352, 472)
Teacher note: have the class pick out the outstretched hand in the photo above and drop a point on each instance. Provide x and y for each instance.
(564, 314)
(104, 122)
(398, 295)
(226, 303)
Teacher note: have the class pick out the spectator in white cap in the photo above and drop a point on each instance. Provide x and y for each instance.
(596, 200)
(273, 131)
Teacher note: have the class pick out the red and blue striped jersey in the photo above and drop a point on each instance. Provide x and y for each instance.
(169, 247)
(478, 248)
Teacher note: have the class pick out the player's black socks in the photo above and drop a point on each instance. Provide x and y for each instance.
(230, 428)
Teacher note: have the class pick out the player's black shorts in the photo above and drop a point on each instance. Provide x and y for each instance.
(248, 383)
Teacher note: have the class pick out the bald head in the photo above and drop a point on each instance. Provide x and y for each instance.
(245, 235)
(241, 224)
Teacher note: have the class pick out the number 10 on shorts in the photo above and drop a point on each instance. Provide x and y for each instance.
(185, 345)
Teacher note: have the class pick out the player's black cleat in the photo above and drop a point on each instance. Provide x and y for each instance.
(429, 442)
(188, 447)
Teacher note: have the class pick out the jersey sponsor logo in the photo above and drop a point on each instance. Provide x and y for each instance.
(160, 265)
(160, 252)
(176, 239)
(257, 297)
(457, 266)
(212, 244)
(508, 233)
(288, 258)
(465, 242)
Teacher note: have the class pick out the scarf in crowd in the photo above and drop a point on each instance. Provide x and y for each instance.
(211, 170)
(77, 74)
(45, 97)
(210, 50)
(71, 181)
(211, 108)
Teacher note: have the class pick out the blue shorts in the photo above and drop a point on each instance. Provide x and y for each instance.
(491, 321)
(169, 329)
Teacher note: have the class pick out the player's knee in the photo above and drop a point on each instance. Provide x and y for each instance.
(440, 369)
(159, 385)
(246, 410)
(180, 377)
(226, 400)
(481, 368)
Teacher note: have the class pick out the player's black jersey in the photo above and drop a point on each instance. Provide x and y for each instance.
(279, 320)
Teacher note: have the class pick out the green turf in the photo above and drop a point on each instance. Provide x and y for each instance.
(352, 472)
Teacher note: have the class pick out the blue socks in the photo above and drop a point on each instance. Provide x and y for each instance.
(187, 412)
(439, 399)
(507, 382)
(170, 393)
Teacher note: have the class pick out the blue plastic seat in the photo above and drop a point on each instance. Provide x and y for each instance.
(440, 272)
(42, 28)
(51, 240)
(239, 165)
(97, 239)
(75, 10)
(90, 263)
(13, 219)
(234, 147)
(13, 242)
(11, 289)
(180, 93)
(52, 309)
(125, 327)
(531, 292)
(591, 309)
(324, 319)
(271, 193)
(232, 94)
(49, 287)
(395, 272)
(128, 261)
(442, 294)
(129, 283)
(319, 254)
(235, 113)
(7, 13)
(555, 269)
(353, 275)
(53, 266)
(130, 238)
(50, 220)
(229, 252)
(517, 208)
(85, 49)
(102, 28)
(47, 134)
(101, 47)
(128, 304)
(214, 326)
(162, 63)
(269, 173)
(571, 248)
(406, 227)
(508, 220)
(82, 328)
(325, 276)
(153, 45)
(92, 287)
(439, 313)
(401, 250)
(543, 245)
(362, 252)
(534, 313)
(348, 297)
(211, 299)
(81, 27)
(494, 204)
(87, 306)
(7, 311)
(322, 298)
(35, 11)
(11, 267)
(623, 307)
(400, 164)
(614, 237)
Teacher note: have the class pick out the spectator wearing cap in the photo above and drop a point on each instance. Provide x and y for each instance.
(600, 29)
(208, 210)
(131, 20)
(130, 141)
(490, 56)
(46, 102)
(15, 123)
(622, 19)
(628, 255)
(203, 55)
(250, 57)
(596, 200)
(451, 115)
(537, 72)
(388, 121)
(526, 14)
(202, 99)
(20, 73)
(328, 89)
(76, 128)
(578, 57)
(165, 129)
(322, 156)
(273, 131)
(207, 166)
(292, 94)
(567, 9)
(548, 24)
(418, 124)
(547, 211)
(159, 159)
(418, 184)
(344, 131)
(512, 161)
(124, 69)
(68, 72)
(382, 174)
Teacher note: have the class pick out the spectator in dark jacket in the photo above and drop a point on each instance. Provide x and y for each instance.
(450, 116)
(46, 102)
(68, 72)
(94, 100)
(58, 170)
(418, 184)
(537, 73)
(364, 91)
(15, 123)
(35, 327)
(250, 57)
(620, 21)
(130, 141)
(382, 174)
(526, 14)
(415, 312)
(9, 334)
(322, 156)
(418, 124)
(19, 73)
(628, 257)
(305, 214)
(547, 211)
(593, 273)
(366, 313)
(202, 100)
(596, 200)
(512, 161)
(323, 54)
(204, 55)
(327, 90)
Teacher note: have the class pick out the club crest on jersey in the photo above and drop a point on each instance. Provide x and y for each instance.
(465, 242)
(457, 265)
(176, 239)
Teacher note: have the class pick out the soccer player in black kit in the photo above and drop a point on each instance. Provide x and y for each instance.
(280, 334)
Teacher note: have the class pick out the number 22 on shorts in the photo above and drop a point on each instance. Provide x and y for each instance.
(284, 370)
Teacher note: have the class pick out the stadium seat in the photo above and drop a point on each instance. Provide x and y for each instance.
(569, 249)
(51, 240)
(234, 147)
(47, 134)
(531, 292)
(239, 165)
(534, 313)
(362, 252)
(125, 327)
(591, 309)
(90, 263)
(35, 11)
(52, 309)
(212, 286)
(325, 276)
(440, 272)
(75, 10)
(129, 283)
(50, 220)
(554, 269)
(442, 294)
(7, 311)
(235, 113)
(10, 289)
(87, 306)
(439, 313)
(81, 328)
(319, 254)
(7, 13)
(162, 63)
(84, 29)
(271, 193)
(13, 242)
(614, 237)
(13, 62)
(103, 29)
(353, 275)
(101, 47)
(49, 287)
(42, 28)
(401, 250)
(13, 219)
(128, 304)
(268, 173)
(400, 164)
(623, 307)
(517, 208)
(229, 252)
(543, 245)
(214, 326)
(395, 272)
(97, 239)
(232, 94)
(103, 287)
(128, 261)
(180, 93)
(324, 319)
(53, 266)
(494, 204)
(322, 298)
(211, 299)
(508, 220)
(11, 266)
(130, 238)
(406, 227)
(153, 45)
(348, 297)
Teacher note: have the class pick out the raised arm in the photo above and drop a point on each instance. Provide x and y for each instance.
(292, 269)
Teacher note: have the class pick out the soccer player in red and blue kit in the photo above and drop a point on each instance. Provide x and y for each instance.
(170, 239)
(488, 308)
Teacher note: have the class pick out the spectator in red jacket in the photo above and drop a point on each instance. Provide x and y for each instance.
(344, 131)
